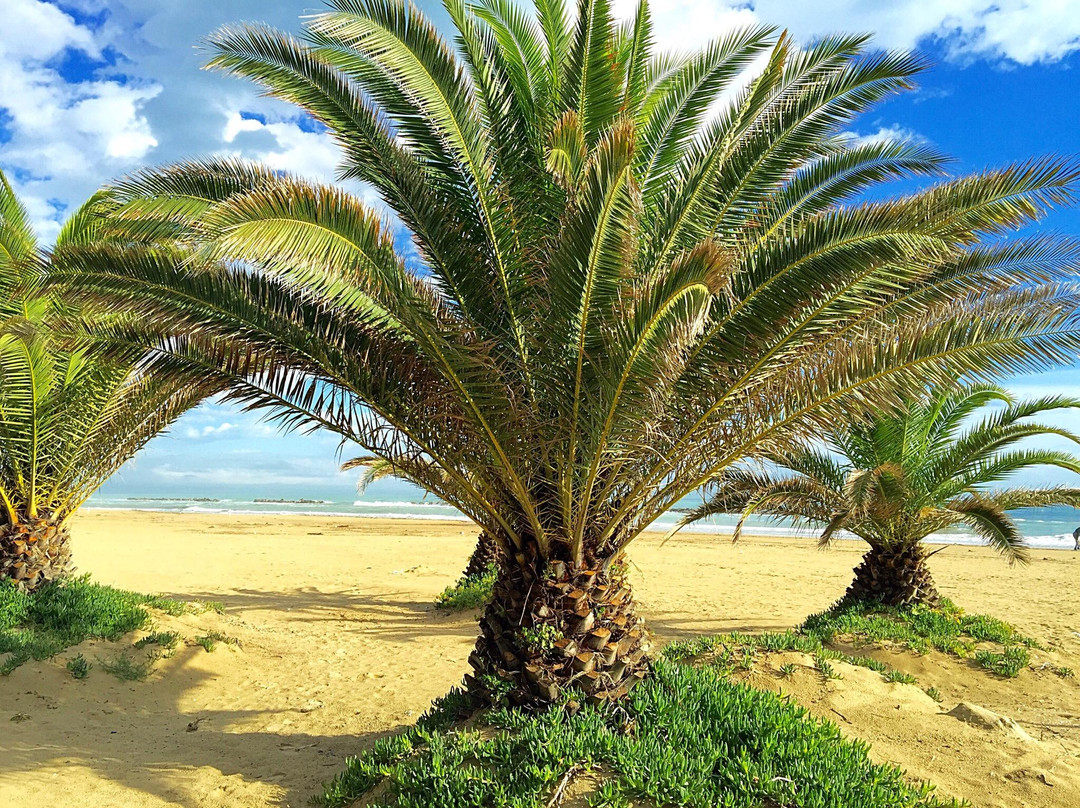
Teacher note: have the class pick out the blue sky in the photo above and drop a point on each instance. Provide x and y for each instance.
(91, 89)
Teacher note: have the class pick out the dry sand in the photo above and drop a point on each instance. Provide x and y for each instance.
(339, 645)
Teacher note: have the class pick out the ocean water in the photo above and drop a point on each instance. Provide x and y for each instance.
(1049, 528)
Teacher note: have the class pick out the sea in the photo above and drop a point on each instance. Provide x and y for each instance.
(1049, 528)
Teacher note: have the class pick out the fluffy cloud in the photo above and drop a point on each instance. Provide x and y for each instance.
(289, 146)
(209, 430)
(92, 93)
(62, 135)
(45, 29)
(890, 133)
(1021, 31)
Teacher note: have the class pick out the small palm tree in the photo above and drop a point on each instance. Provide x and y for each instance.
(902, 477)
(619, 295)
(69, 417)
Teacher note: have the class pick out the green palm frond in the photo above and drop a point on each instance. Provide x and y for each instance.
(800, 499)
(992, 525)
(18, 244)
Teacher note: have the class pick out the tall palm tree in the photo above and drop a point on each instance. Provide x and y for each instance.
(619, 294)
(895, 479)
(69, 417)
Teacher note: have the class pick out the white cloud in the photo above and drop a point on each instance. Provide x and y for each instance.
(296, 150)
(236, 124)
(684, 25)
(1023, 31)
(38, 30)
(291, 474)
(893, 132)
(209, 430)
(63, 136)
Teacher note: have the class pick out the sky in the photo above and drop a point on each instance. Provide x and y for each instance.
(93, 89)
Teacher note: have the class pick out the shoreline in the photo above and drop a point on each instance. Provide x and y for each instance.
(1056, 542)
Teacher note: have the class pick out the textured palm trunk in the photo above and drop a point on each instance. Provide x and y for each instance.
(895, 578)
(487, 554)
(551, 630)
(34, 552)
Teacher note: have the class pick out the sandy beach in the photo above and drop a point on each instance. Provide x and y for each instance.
(339, 644)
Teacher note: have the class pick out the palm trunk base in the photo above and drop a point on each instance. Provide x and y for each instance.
(894, 578)
(551, 633)
(34, 552)
(488, 554)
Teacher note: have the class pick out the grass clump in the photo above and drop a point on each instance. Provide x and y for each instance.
(470, 592)
(826, 668)
(685, 736)
(1006, 664)
(920, 629)
(204, 606)
(41, 624)
(899, 677)
(78, 667)
(935, 694)
(128, 669)
(166, 639)
(210, 640)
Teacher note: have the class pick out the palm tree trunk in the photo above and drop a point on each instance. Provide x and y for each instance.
(34, 552)
(894, 578)
(551, 630)
(487, 554)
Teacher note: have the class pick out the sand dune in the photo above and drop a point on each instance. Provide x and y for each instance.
(339, 645)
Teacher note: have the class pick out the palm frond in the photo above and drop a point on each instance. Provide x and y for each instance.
(992, 525)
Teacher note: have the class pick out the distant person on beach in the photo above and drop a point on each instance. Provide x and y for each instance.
(1076, 539)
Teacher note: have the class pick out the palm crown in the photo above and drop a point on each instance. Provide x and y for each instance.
(622, 293)
(895, 479)
(69, 417)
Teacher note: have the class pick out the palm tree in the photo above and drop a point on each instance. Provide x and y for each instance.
(69, 417)
(904, 476)
(616, 294)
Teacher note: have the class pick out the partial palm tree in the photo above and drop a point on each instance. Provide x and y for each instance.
(632, 269)
(69, 417)
(488, 553)
(895, 479)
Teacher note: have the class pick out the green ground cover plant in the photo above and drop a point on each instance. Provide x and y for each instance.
(210, 640)
(129, 669)
(1007, 663)
(41, 624)
(167, 640)
(79, 667)
(470, 592)
(727, 652)
(945, 628)
(686, 736)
